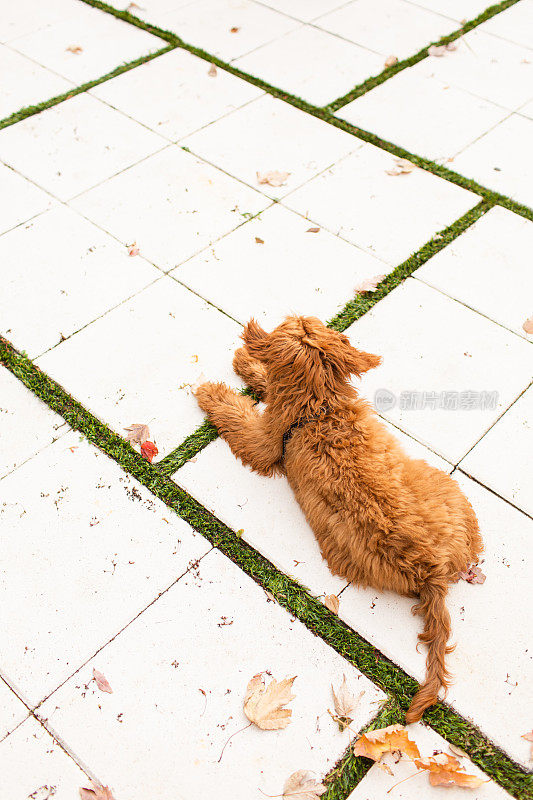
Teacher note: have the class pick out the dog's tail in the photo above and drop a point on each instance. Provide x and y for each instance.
(432, 606)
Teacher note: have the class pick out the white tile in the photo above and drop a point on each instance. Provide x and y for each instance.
(501, 460)
(255, 139)
(172, 204)
(493, 650)
(514, 24)
(356, 197)
(86, 549)
(174, 95)
(149, 10)
(423, 115)
(266, 511)
(106, 42)
(389, 27)
(527, 110)
(208, 24)
(12, 710)
(74, 145)
(305, 10)
(26, 423)
(34, 765)
(460, 10)
(136, 363)
(158, 669)
(335, 68)
(430, 343)
(494, 163)
(378, 783)
(487, 67)
(284, 275)
(19, 199)
(68, 273)
(488, 268)
(28, 84)
(20, 18)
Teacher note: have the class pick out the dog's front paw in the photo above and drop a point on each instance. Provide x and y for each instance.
(209, 396)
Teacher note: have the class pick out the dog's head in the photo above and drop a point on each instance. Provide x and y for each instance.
(303, 351)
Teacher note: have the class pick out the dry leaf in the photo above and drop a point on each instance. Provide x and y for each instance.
(198, 382)
(313, 230)
(74, 48)
(302, 785)
(403, 167)
(132, 6)
(391, 61)
(473, 575)
(529, 738)
(102, 682)
(451, 46)
(456, 751)
(234, 30)
(96, 793)
(258, 240)
(273, 178)
(445, 770)
(332, 602)
(528, 325)
(345, 703)
(264, 707)
(194, 359)
(436, 50)
(375, 743)
(212, 71)
(137, 433)
(148, 451)
(133, 250)
(370, 284)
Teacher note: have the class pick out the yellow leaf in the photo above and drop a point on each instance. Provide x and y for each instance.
(264, 707)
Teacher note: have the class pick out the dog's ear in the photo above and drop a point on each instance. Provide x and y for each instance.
(350, 361)
(255, 339)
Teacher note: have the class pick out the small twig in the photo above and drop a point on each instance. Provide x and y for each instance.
(231, 737)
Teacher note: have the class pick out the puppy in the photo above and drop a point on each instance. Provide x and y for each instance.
(382, 519)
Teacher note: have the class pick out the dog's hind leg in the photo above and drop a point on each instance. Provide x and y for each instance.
(251, 370)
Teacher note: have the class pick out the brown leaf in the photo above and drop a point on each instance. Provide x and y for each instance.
(345, 703)
(258, 240)
(445, 770)
(456, 751)
(137, 433)
(370, 284)
(375, 743)
(234, 30)
(212, 71)
(332, 602)
(313, 230)
(473, 575)
(303, 786)
(437, 50)
(528, 325)
(391, 61)
(96, 793)
(132, 6)
(451, 46)
(148, 451)
(102, 682)
(273, 178)
(529, 738)
(264, 707)
(133, 250)
(403, 167)
(74, 48)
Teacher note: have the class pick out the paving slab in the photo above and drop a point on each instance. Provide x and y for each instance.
(514, 23)
(26, 424)
(62, 264)
(106, 42)
(20, 198)
(86, 548)
(491, 160)
(487, 268)
(390, 216)
(438, 359)
(29, 83)
(150, 10)
(161, 670)
(174, 95)
(441, 119)
(72, 146)
(304, 10)
(491, 664)
(335, 68)
(388, 27)
(12, 710)
(254, 140)
(281, 274)
(378, 782)
(185, 205)
(456, 9)
(162, 340)
(19, 19)
(500, 460)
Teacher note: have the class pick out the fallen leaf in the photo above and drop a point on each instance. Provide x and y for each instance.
(273, 178)
(258, 240)
(264, 707)
(102, 682)
(332, 602)
(148, 451)
(194, 359)
(370, 284)
(391, 61)
(437, 50)
(529, 738)
(133, 250)
(74, 48)
(234, 30)
(403, 167)
(96, 793)
(445, 770)
(385, 740)
(345, 703)
(313, 230)
(198, 382)
(137, 433)
(528, 325)
(473, 575)
(212, 71)
(134, 5)
(302, 785)
(451, 46)
(456, 751)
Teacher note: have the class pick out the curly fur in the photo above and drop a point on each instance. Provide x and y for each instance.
(382, 519)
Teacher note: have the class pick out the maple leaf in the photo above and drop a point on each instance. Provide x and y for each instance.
(273, 178)
(445, 770)
(212, 71)
(332, 602)
(102, 682)
(345, 703)
(374, 743)
(473, 575)
(528, 325)
(263, 706)
(137, 433)
(96, 793)
(302, 785)
(403, 167)
(148, 451)
(391, 61)
(74, 48)
(133, 250)
(529, 738)
(370, 284)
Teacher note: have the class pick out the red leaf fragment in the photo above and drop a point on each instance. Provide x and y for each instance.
(148, 451)
(102, 682)
(234, 30)
(473, 575)
(96, 793)
(313, 230)
(258, 240)
(74, 48)
(133, 250)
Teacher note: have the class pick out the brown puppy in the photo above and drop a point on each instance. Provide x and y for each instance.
(381, 519)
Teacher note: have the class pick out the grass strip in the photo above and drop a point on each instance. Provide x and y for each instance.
(288, 593)
(189, 448)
